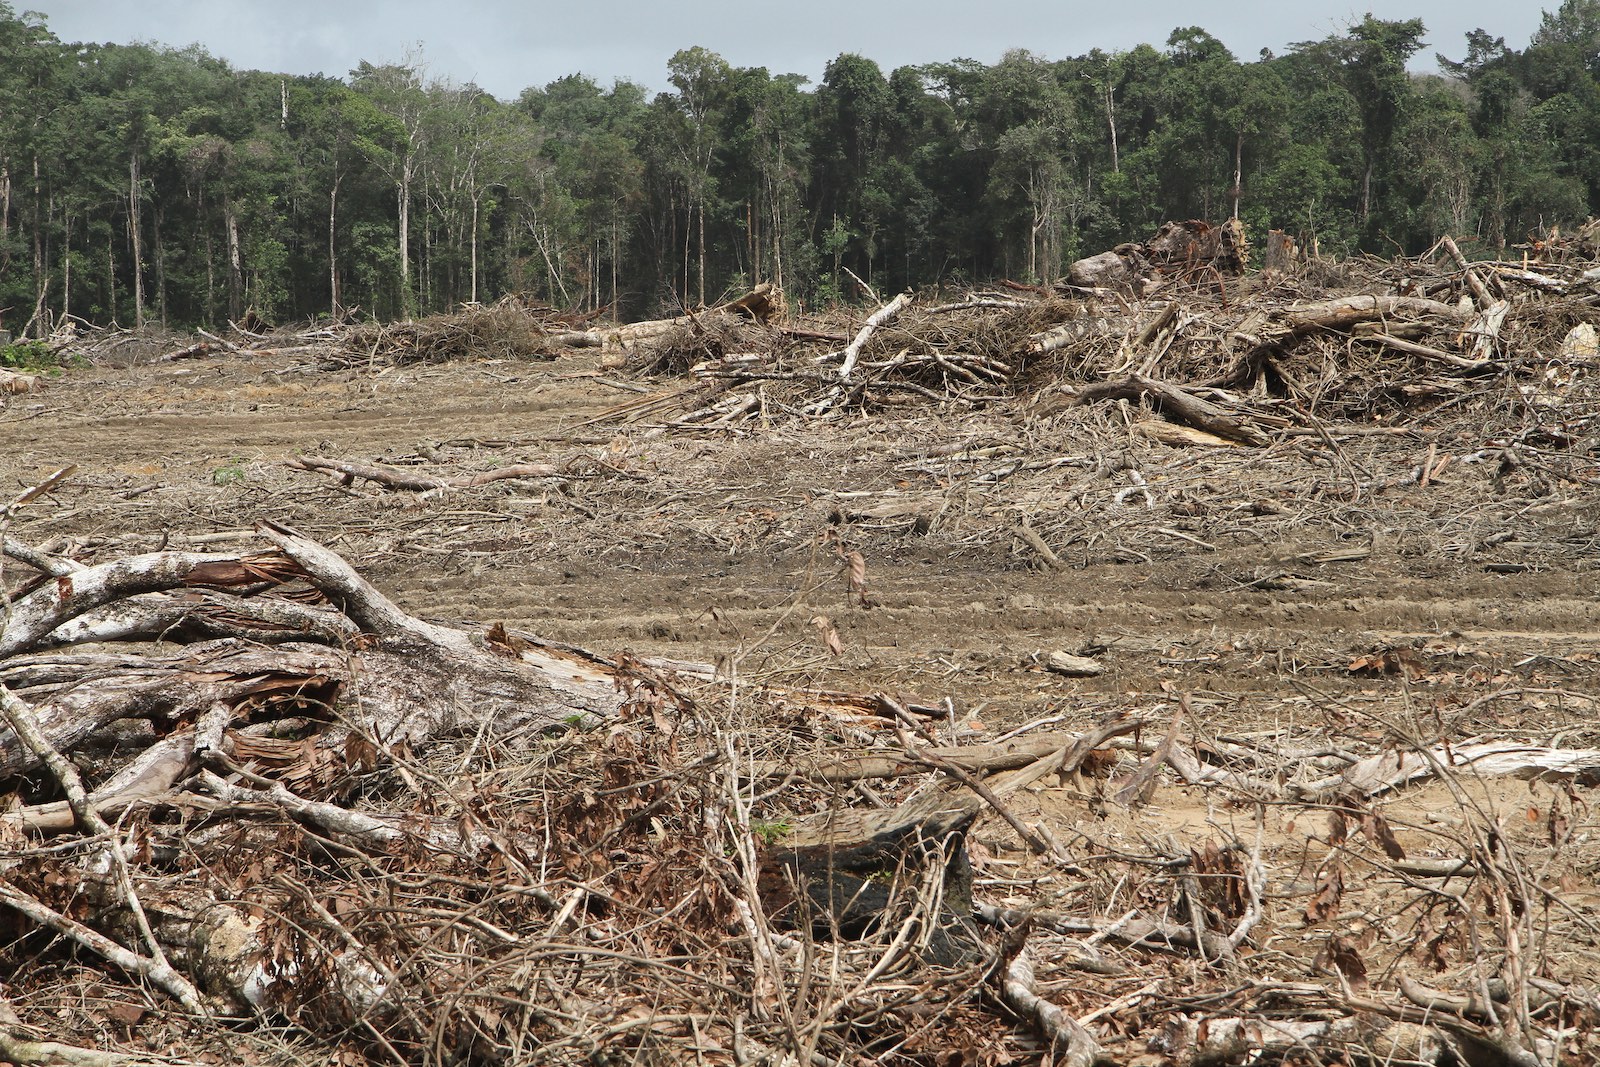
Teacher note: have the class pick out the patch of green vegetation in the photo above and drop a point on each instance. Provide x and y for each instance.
(771, 831)
(230, 473)
(33, 357)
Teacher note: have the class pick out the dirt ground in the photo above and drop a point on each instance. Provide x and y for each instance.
(1307, 594)
(694, 547)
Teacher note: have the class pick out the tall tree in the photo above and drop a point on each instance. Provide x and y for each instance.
(1371, 61)
(397, 90)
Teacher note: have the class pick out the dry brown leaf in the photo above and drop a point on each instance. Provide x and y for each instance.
(830, 634)
(1387, 661)
(856, 575)
(1342, 956)
(1324, 903)
(1378, 831)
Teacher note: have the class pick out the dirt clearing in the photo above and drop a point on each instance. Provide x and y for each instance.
(1399, 560)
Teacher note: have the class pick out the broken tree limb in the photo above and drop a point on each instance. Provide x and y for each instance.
(1386, 771)
(19, 716)
(148, 777)
(411, 680)
(395, 478)
(1344, 312)
(1480, 291)
(1072, 1044)
(852, 351)
(205, 613)
(1448, 358)
(71, 595)
(1175, 402)
(763, 304)
(1205, 1039)
(160, 973)
(1484, 329)
(1035, 542)
(22, 1052)
(44, 562)
(1012, 755)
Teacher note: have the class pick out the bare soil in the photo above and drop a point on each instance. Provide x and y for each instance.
(693, 547)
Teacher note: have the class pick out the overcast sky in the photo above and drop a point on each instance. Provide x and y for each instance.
(506, 46)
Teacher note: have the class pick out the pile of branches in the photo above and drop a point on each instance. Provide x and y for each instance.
(1241, 360)
(507, 329)
(248, 787)
(512, 328)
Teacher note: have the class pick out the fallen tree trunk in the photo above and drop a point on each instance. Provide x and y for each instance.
(391, 674)
(244, 728)
(1178, 403)
(1346, 311)
(764, 304)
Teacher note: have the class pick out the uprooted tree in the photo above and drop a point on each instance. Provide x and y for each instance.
(230, 713)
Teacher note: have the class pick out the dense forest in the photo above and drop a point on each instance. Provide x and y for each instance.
(141, 184)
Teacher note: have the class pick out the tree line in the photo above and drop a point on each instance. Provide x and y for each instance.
(141, 184)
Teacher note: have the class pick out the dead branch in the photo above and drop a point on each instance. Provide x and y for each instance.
(852, 351)
(1344, 312)
(1072, 1044)
(1176, 402)
(394, 478)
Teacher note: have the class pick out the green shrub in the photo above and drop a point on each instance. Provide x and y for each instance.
(31, 356)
